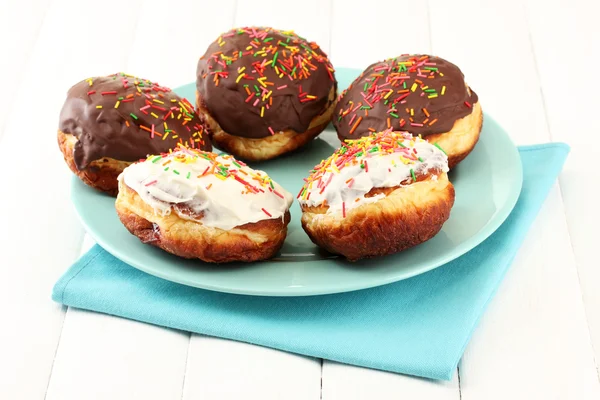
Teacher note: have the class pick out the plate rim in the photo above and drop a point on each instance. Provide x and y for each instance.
(296, 291)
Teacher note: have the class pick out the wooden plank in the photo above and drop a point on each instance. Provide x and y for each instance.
(537, 315)
(20, 23)
(364, 33)
(496, 61)
(151, 361)
(344, 382)
(353, 46)
(570, 112)
(309, 19)
(534, 336)
(105, 357)
(170, 40)
(222, 369)
(42, 235)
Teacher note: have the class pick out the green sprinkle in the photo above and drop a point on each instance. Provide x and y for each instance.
(121, 98)
(188, 175)
(359, 154)
(271, 183)
(274, 59)
(412, 172)
(155, 160)
(339, 118)
(404, 85)
(365, 108)
(366, 86)
(438, 146)
(268, 39)
(401, 144)
(133, 116)
(256, 88)
(240, 54)
(294, 71)
(420, 159)
(373, 150)
(362, 166)
(385, 102)
(237, 165)
(394, 115)
(166, 169)
(176, 172)
(431, 68)
(429, 90)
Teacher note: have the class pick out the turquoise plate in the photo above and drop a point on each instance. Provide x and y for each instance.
(487, 186)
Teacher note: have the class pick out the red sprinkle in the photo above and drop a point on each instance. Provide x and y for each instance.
(467, 104)
(266, 212)
(151, 183)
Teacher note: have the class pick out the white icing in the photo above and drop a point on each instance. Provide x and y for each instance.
(224, 203)
(348, 185)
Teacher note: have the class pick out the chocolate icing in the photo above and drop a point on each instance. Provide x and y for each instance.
(385, 90)
(298, 80)
(113, 116)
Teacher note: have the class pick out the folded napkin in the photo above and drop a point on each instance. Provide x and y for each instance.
(419, 326)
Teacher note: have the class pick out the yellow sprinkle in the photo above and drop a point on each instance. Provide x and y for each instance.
(443, 90)
(240, 70)
(388, 94)
(412, 112)
(239, 78)
(260, 80)
(414, 87)
(173, 100)
(90, 81)
(310, 96)
(165, 135)
(432, 96)
(165, 124)
(281, 75)
(179, 116)
(154, 115)
(117, 104)
(441, 74)
(262, 111)
(276, 70)
(98, 106)
(182, 106)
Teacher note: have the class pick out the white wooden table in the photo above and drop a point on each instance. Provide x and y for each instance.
(534, 65)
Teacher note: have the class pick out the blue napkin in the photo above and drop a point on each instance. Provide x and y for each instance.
(419, 326)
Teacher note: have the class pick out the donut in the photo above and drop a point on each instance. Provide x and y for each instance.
(377, 195)
(106, 123)
(421, 94)
(264, 92)
(197, 204)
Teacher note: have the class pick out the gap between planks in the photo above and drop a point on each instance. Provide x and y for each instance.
(558, 183)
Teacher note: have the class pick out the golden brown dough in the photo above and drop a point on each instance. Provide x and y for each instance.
(100, 174)
(197, 204)
(377, 195)
(406, 217)
(271, 146)
(190, 239)
(463, 137)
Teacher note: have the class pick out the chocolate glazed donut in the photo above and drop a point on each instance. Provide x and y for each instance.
(256, 83)
(108, 122)
(421, 94)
